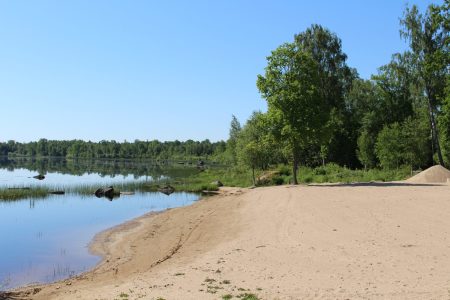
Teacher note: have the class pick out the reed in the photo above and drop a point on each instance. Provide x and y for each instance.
(17, 193)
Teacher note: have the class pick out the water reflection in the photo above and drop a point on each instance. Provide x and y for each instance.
(46, 239)
(102, 167)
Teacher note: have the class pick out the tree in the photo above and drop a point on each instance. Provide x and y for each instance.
(388, 146)
(335, 81)
(444, 124)
(364, 106)
(255, 146)
(429, 42)
(365, 152)
(403, 144)
(291, 86)
(235, 128)
(394, 82)
(415, 142)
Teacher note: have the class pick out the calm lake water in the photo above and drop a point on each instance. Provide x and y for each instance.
(44, 240)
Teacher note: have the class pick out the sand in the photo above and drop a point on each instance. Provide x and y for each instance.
(435, 174)
(362, 241)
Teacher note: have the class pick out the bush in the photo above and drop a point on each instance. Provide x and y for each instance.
(277, 180)
(284, 170)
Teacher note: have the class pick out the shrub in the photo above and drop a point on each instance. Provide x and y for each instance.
(277, 180)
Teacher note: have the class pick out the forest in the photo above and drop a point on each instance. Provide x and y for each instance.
(154, 150)
(320, 111)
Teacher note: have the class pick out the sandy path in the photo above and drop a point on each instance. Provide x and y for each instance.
(327, 242)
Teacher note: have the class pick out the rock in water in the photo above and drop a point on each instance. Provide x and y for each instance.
(39, 177)
(107, 192)
(167, 190)
(57, 192)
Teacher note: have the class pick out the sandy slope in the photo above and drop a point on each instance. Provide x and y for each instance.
(381, 241)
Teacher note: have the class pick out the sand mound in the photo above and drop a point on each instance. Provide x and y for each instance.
(434, 174)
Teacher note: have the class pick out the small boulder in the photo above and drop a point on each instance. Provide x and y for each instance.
(107, 192)
(57, 192)
(217, 183)
(167, 190)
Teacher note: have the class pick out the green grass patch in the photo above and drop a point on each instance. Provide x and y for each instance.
(13, 194)
(247, 296)
(198, 181)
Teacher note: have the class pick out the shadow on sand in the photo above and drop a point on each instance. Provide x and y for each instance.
(375, 184)
(11, 296)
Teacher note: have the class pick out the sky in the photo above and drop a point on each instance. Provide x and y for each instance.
(125, 70)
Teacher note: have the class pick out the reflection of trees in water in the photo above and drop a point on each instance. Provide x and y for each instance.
(136, 168)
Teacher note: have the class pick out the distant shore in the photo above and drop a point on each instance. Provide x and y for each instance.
(286, 242)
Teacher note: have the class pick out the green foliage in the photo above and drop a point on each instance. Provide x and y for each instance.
(156, 150)
(277, 180)
(284, 170)
(333, 173)
(247, 296)
(388, 146)
(12, 194)
(444, 124)
(235, 129)
(428, 37)
(365, 152)
(296, 105)
(255, 144)
(403, 144)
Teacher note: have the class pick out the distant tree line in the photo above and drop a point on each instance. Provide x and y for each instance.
(320, 110)
(111, 149)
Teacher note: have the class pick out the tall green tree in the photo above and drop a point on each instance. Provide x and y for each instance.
(388, 146)
(335, 80)
(235, 129)
(428, 38)
(364, 105)
(444, 124)
(291, 86)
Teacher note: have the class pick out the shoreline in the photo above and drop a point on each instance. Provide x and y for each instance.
(286, 242)
(101, 245)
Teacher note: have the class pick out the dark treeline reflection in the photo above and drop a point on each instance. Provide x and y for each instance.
(103, 167)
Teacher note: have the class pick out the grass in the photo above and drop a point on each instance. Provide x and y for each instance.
(13, 194)
(247, 296)
(202, 180)
(332, 173)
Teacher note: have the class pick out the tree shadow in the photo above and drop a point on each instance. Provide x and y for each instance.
(11, 296)
(374, 184)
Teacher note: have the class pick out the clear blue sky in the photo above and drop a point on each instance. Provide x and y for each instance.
(162, 70)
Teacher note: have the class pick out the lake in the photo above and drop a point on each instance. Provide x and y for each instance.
(46, 239)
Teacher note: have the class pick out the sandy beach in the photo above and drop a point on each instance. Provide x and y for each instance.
(362, 241)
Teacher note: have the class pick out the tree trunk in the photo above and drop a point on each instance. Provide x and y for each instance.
(294, 169)
(253, 176)
(434, 130)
